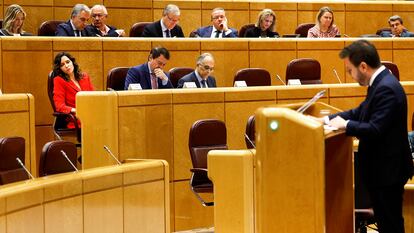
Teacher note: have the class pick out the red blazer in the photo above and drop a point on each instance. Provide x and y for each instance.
(64, 93)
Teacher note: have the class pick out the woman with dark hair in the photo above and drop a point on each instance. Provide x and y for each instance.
(13, 22)
(264, 26)
(68, 81)
(325, 27)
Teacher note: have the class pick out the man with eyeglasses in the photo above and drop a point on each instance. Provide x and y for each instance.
(150, 75)
(99, 27)
(219, 29)
(397, 28)
(76, 25)
(167, 26)
(201, 75)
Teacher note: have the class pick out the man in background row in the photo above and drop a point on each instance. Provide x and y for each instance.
(77, 23)
(99, 27)
(219, 29)
(167, 26)
(397, 28)
(150, 75)
(201, 75)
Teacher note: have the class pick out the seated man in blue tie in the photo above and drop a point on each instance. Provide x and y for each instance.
(150, 75)
(201, 75)
(77, 23)
(397, 28)
(219, 29)
(167, 26)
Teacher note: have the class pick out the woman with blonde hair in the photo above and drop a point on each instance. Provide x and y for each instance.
(264, 26)
(325, 27)
(13, 22)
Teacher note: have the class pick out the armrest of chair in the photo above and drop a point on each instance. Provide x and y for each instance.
(70, 116)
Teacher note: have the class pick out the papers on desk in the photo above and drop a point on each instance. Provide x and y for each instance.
(328, 127)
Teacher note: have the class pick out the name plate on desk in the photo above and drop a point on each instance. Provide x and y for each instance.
(240, 84)
(134, 87)
(294, 82)
(189, 85)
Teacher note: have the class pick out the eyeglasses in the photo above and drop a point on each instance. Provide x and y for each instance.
(173, 20)
(206, 67)
(98, 15)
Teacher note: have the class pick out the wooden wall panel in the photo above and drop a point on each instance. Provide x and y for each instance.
(33, 220)
(125, 18)
(41, 13)
(64, 216)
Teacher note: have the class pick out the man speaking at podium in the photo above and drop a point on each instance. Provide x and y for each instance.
(380, 124)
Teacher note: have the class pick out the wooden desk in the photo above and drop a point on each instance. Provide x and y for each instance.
(114, 199)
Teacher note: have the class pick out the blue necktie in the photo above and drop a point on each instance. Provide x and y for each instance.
(203, 83)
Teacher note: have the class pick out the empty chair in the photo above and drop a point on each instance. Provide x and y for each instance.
(392, 67)
(48, 28)
(52, 160)
(249, 136)
(178, 72)
(205, 135)
(243, 29)
(307, 70)
(137, 29)
(115, 79)
(303, 29)
(10, 170)
(60, 129)
(253, 77)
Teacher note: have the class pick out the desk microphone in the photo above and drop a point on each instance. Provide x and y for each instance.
(336, 75)
(27, 171)
(66, 157)
(280, 79)
(109, 89)
(250, 141)
(113, 156)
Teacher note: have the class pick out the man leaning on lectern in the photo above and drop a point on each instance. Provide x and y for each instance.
(380, 124)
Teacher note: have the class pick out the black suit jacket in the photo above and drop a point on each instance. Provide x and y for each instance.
(255, 32)
(155, 30)
(380, 123)
(65, 29)
(94, 31)
(191, 77)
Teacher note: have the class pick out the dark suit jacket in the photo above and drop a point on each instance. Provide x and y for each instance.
(155, 30)
(405, 33)
(191, 77)
(206, 32)
(94, 31)
(65, 29)
(255, 32)
(141, 74)
(380, 123)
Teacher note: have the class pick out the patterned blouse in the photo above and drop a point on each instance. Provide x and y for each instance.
(315, 32)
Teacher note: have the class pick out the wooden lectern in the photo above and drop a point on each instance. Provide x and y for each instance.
(299, 178)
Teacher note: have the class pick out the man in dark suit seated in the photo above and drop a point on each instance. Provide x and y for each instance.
(77, 23)
(150, 75)
(397, 28)
(219, 29)
(167, 26)
(99, 27)
(201, 75)
(380, 124)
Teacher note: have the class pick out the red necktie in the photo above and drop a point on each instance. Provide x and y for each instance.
(154, 83)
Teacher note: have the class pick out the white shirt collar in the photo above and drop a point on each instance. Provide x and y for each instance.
(213, 33)
(199, 78)
(163, 28)
(375, 74)
(73, 26)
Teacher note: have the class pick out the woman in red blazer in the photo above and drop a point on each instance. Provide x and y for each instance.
(68, 81)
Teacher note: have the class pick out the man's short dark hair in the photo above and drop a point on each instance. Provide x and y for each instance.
(395, 18)
(158, 51)
(361, 51)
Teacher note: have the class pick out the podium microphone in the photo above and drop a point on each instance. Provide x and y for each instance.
(250, 141)
(336, 75)
(113, 156)
(66, 157)
(27, 171)
(280, 79)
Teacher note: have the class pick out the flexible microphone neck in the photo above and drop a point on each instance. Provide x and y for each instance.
(27, 171)
(280, 79)
(113, 156)
(66, 157)
(250, 141)
(336, 75)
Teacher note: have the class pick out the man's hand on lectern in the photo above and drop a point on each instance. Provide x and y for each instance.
(338, 122)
